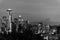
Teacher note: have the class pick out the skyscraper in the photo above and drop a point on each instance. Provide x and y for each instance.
(5, 20)
(0, 24)
(20, 19)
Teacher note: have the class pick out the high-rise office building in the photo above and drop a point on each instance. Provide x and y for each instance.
(5, 20)
(20, 19)
(0, 24)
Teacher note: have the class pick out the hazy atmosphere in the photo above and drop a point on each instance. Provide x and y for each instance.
(33, 9)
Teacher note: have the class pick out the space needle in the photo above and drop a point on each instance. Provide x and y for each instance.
(10, 19)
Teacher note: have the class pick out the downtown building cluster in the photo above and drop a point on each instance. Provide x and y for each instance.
(24, 27)
(20, 25)
(4, 22)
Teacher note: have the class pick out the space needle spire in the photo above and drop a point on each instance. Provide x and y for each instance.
(10, 19)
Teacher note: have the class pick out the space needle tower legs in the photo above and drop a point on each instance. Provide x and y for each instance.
(10, 19)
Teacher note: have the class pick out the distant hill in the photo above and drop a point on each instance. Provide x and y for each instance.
(51, 23)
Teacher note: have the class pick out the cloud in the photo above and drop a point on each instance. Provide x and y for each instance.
(1, 1)
(35, 9)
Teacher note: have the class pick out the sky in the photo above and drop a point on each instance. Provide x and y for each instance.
(34, 10)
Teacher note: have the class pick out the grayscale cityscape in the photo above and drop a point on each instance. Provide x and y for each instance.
(29, 19)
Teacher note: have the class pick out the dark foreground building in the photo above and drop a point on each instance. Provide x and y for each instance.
(26, 35)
